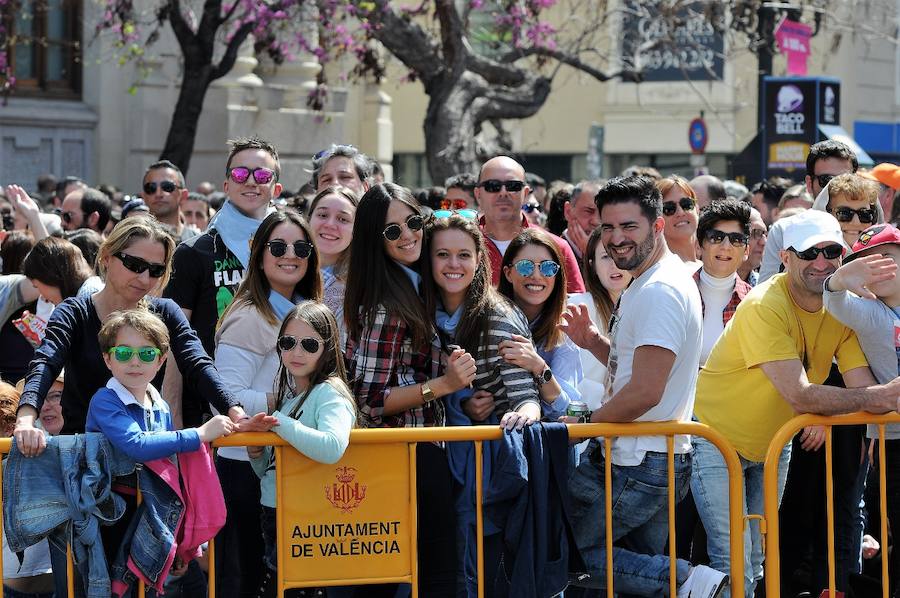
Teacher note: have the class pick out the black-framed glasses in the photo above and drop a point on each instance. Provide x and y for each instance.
(261, 175)
(495, 185)
(302, 249)
(124, 353)
(167, 187)
(140, 265)
(414, 222)
(468, 214)
(670, 207)
(845, 214)
(308, 344)
(824, 179)
(717, 237)
(547, 268)
(758, 233)
(831, 252)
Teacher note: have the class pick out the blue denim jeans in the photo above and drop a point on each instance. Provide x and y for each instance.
(639, 520)
(709, 485)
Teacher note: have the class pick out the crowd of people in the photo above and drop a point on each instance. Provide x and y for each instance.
(137, 329)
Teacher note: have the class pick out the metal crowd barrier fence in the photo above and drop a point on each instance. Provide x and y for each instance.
(323, 512)
(770, 493)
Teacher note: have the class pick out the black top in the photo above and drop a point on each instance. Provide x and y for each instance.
(205, 277)
(71, 342)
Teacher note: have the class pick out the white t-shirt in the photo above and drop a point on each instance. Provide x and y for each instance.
(661, 308)
(501, 245)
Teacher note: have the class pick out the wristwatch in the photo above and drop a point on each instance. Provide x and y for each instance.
(545, 377)
(585, 418)
(427, 393)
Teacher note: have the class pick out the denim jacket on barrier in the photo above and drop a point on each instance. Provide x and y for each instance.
(182, 507)
(65, 494)
(527, 498)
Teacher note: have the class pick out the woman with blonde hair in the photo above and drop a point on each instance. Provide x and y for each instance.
(681, 215)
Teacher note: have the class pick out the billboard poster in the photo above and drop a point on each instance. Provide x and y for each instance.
(791, 126)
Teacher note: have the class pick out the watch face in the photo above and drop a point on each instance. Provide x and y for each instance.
(547, 375)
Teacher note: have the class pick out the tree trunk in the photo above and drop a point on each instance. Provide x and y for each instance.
(183, 129)
(450, 127)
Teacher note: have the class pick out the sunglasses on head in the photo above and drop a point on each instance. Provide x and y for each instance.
(670, 207)
(302, 249)
(716, 237)
(454, 204)
(262, 176)
(414, 223)
(139, 265)
(547, 268)
(845, 214)
(124, 353)
(831, 252)
(167, 187)
(494, 185)
(308, 344)
(468, 214)
(327, 152)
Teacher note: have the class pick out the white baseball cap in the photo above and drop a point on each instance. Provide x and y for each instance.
(811, 228)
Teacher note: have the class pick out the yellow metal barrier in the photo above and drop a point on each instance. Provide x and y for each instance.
(480, 434)
(770, 492)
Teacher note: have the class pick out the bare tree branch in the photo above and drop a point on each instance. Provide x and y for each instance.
(231, 51)
(408, 42)
(186, 38)
(452, 34)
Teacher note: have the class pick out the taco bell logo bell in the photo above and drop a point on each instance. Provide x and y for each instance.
(789, 118)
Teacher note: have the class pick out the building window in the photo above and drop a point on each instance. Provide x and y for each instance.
(45, 46)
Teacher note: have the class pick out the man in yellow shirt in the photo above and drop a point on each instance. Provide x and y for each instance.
(768, 365)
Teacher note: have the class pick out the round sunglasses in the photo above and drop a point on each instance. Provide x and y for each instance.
(670, 207)
(302, 249)
(167, 187)
(547, 268)
(308, 344)
(124, 353)
(139, 266)
(241, 174)
(414, 222)
(466, 213)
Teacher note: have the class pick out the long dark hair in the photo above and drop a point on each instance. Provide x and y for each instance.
(602, 299)
(57, 263)
(545, 331)
(481, 300)
(330, 367)
(374, 279)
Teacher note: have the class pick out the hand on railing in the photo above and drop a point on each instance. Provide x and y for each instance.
(30, 440)
(812, 438)
(258, 423)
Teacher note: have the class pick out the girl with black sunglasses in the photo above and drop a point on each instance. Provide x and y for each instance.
(282, 269)
(390, 362)
(681, 214)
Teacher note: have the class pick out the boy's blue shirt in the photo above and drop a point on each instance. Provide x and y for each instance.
(142, 434)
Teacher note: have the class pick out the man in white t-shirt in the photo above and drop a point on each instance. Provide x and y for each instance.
(655, 334)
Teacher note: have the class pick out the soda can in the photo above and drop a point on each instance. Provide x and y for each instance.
(577, 409)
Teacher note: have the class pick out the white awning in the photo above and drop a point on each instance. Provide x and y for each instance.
(839, 134)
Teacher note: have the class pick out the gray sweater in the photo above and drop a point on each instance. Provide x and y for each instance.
(873, 322)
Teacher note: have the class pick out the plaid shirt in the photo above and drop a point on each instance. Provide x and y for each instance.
(741, 288)
(383, 358)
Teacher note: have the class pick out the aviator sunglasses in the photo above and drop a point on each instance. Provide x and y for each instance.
(167, 187)
(262, 176)
(139, 266)
(308, 344)
(124, 353)
(831, 252)
(547, 268)
(302, 249)
(687, 204)
(414, 223)
(845, 214)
